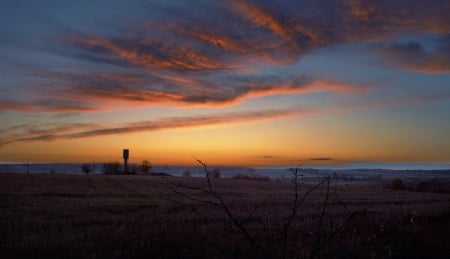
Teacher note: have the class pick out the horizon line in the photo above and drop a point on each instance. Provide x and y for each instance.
(373, 165)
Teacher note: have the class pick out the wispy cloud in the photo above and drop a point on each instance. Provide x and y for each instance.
(263, 18)
(368, 20)
(245, 31)
(86, 92)
(91, 130)
(267, 157)
(232, 52)
(150, 53)
(185, 60)
(60, 106)
(30, 133)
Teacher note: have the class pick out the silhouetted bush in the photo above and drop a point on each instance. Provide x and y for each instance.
(111, 168)
(397, 184)
(86, 168)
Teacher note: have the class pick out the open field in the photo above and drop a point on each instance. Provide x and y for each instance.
(100, 216)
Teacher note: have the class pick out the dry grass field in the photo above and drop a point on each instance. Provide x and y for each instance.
(124, 216)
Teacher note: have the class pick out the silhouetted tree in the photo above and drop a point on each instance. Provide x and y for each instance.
(146, 167)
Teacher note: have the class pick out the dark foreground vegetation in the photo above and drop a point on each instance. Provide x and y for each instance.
(124, 216)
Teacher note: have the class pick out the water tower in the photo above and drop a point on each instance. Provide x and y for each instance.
(125, 159)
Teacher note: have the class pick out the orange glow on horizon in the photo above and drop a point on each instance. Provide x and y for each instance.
(257, 144)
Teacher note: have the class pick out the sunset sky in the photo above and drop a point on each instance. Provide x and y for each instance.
(254, 83)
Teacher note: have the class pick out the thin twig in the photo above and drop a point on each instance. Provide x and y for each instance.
(317, 244)
(294, 209)
(340, 201)
(227, 211)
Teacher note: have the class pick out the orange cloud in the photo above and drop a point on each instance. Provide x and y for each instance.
(85, 130)
(195, 93)
(220, 41)
(95, 92)
(376, 20)
(28, 133)
(263, 18)
(233, 46)
(361, 11)
(150, 53)
(434, 64)
(282, 88)
(189, 122)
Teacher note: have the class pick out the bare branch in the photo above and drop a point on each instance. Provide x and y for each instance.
(294, 209)
(340, 201)
(221, 203)
(317, 243)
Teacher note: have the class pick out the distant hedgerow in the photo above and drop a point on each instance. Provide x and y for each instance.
(111, 168)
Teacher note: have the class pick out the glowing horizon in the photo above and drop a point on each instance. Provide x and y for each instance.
(231, 82)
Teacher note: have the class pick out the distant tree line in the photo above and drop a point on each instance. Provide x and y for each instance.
(114, 167)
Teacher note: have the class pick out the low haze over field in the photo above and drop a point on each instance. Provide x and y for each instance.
(254, 83)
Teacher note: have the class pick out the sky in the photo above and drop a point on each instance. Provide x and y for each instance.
(234, 82)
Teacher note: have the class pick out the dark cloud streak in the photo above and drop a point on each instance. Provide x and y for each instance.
(321, 159)
(414, 57)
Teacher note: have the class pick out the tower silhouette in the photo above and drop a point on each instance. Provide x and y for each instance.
(125, 159)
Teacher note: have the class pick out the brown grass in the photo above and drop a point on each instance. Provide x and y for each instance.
(100, 216)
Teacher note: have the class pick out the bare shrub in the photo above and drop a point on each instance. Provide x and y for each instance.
(280, 229)
(86, 168)
(397, 184)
